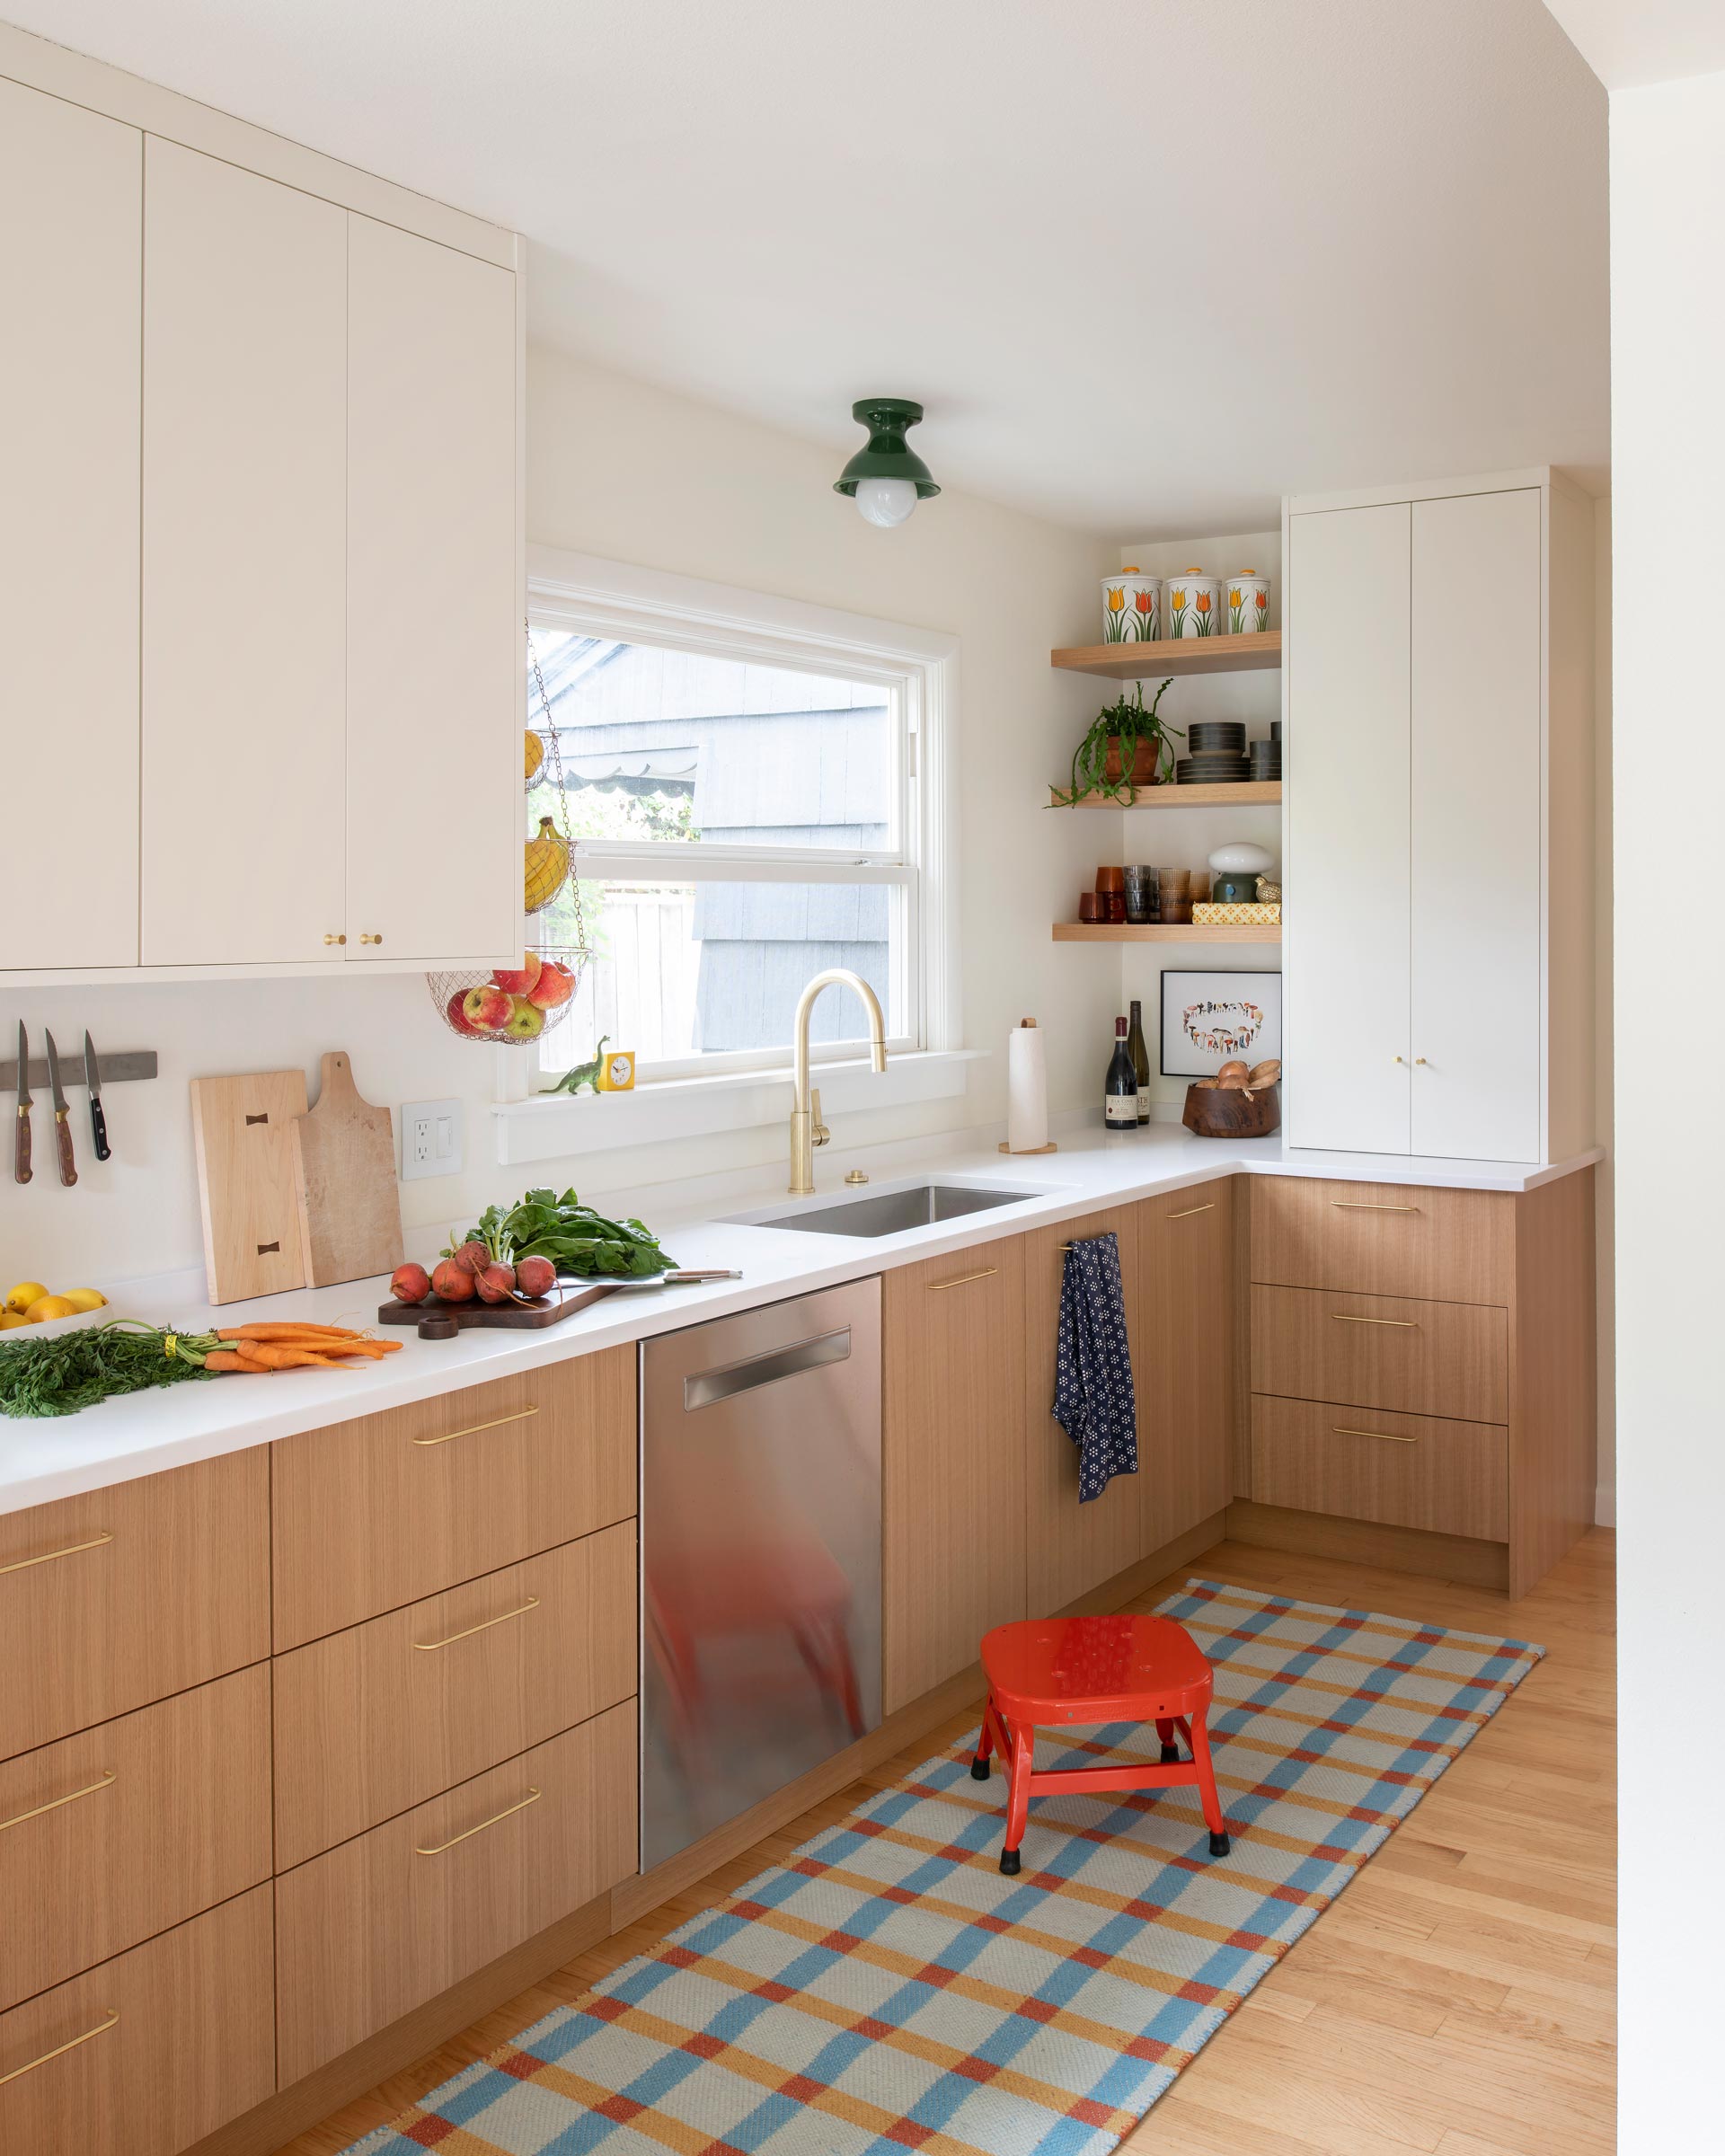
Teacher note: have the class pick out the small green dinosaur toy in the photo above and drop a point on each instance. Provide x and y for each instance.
(584, 1073)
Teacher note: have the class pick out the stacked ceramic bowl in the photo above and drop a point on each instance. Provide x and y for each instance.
(1266, 755)
(1217, 754)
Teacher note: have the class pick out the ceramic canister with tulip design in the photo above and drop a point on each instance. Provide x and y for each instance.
(1191, 601)
(1132, 611)
(1246, 599)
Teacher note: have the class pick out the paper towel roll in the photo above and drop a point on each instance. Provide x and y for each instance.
(1027, 1090)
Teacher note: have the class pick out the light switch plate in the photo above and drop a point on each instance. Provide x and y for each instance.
(432, 1138)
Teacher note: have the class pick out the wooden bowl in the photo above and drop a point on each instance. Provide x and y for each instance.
(1224, 1111)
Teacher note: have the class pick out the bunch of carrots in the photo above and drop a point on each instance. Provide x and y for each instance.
(257, 1350)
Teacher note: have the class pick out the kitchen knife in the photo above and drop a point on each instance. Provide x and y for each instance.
(62, 1126)
(98, 1121)
(21, 1157)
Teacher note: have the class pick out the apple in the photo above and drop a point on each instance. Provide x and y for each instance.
(535, 1276)
(458, 1016)
(409, 1284)
(555, 985)
(496, 1283)
(518, 980)
(527, 1020)
(487, 1009)
(451, 1282)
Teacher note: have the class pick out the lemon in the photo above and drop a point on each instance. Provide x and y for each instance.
(26, 1293)
(9, 1318)
(86, 1298)
(49, 1306)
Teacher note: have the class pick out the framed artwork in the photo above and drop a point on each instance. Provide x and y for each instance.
(1208, 1018)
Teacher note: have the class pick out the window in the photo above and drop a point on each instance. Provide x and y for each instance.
(747, 808)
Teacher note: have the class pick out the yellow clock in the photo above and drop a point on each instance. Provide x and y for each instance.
(617, 1073)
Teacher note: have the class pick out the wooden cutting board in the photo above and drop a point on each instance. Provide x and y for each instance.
(349, 1202)
(244, 1130)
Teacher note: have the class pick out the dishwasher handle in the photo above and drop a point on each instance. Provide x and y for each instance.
(708, 1387)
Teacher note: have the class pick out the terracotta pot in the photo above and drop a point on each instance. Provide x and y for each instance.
(1145, 762)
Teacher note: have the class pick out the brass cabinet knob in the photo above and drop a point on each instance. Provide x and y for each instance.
(371, 938)
(1418, 1063)
(335, 938)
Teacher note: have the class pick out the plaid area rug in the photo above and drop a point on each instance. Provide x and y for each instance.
(888, 1989)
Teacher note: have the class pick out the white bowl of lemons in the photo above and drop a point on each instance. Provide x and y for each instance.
(32, 1312)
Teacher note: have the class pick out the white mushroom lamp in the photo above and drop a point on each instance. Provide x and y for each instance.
(1235, 871)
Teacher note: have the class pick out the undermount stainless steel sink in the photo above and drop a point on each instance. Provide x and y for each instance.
(894, 1211)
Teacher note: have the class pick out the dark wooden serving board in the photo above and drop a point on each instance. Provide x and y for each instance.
(521, 1317)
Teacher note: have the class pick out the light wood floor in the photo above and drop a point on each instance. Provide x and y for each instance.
(1457, 2000)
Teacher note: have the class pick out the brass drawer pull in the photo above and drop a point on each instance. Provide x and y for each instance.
(1192, 1212)
(61, 2050)
(438, 1848)
(1341, 1317)
(48, 1556)
(430, 1646)
(1366, 1204)
(473, 1428)
(1390, 1437)
(964, 1279)
(54, 1803)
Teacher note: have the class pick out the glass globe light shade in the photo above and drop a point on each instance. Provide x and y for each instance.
(886, 501)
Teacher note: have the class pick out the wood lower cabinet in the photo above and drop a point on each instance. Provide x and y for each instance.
(1186, 1332)
(120, 1597)
(1382, 1351)
(149, 2053)
(373, 1720)
(367, 1515)
(1372, 1463)
(1383, 1239)
(375, 1928)
(126, 1829)
(953, 1460)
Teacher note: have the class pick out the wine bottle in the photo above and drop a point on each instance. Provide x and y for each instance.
(1140, 1060)
(1120, 1087)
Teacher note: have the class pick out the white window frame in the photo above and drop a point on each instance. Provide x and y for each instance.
(918, 667)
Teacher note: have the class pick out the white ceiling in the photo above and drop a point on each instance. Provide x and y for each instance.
(1148, 266)
(1630, 42)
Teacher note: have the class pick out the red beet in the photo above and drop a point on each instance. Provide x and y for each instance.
(535, 1276)
(472, 1257)
(496, 1284)
(409, 1284)
(452, 1283)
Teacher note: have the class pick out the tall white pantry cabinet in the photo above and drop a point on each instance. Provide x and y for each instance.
(260, 549)
(1438, 851)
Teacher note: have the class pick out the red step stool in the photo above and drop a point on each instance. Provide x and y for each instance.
(1093, 1670)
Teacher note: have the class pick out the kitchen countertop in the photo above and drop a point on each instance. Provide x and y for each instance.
(147, 1433)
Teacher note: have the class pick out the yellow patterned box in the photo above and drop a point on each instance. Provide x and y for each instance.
(1206, 915)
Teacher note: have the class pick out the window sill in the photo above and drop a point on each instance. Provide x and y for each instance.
(547, 1128)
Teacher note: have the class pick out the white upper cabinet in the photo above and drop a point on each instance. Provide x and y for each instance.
(434, 607)
(261, 570)
(70, 268)
(244, 565)
(1440, 807)
(1346, 861)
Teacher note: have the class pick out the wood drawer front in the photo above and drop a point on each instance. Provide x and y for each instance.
(1401, 1471)
(1450, 1360)
(111, 1600)
(1383, 1239)
(162, 2046)
(120, 1832)
(372, 1514)
(371, 1929)
(378, 1717)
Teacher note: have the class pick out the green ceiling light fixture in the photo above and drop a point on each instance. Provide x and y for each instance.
(887, 479)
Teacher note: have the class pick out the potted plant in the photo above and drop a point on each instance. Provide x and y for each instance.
(1126, 746)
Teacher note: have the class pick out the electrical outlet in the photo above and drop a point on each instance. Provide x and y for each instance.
(431, 1135)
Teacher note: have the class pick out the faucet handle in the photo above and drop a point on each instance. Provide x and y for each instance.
(819, 1133)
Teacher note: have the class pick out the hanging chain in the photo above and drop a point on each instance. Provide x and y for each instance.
(556, 754)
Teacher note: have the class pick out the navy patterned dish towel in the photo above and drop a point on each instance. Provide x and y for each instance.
(1093, 1401)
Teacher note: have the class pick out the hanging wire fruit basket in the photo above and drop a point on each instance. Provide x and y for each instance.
(519, 1006)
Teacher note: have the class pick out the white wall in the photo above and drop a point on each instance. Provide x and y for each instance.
(1667, 211)
(618, 469)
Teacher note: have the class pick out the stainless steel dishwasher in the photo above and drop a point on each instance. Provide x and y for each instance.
(760, 1555)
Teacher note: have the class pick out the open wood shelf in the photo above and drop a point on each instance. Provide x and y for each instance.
(1173, 932)
(1246, 793)
(1174, 655)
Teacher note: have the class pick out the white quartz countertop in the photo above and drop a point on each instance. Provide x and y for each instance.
(147, 1433)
